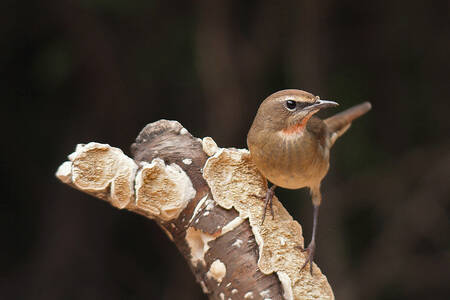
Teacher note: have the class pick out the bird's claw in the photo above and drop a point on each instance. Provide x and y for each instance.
(268, 202)
(309, 256)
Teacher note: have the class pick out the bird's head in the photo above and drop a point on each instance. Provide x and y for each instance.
(288, 111)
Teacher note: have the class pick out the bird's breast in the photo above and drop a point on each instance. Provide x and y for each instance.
(290, 161)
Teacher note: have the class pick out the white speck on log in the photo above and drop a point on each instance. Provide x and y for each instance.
(264, 293)
(209, 146)
(204, 288)
(232, 224)
(187, 161)
(237, 243)
(183, 131)
(198, 242)
(209, 204)
(197, 207)
(217, 270)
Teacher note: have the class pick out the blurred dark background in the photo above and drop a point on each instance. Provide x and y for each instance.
(99, 70)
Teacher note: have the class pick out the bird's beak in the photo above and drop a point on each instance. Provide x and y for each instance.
(319, 104)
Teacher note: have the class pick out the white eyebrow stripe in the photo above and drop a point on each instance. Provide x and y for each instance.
(296, 99)
(287, 97)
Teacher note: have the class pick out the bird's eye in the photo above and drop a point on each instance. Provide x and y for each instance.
(291, 104)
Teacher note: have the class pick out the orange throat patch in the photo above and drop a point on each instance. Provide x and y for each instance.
(296, 128)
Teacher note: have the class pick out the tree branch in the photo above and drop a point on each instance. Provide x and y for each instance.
(208, 200)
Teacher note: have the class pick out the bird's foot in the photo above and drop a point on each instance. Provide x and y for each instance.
(309, 256)
(268, 202)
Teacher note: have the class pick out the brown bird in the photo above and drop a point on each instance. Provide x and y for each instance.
(291, 147)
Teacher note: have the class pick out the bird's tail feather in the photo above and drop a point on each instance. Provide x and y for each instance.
(339, 123)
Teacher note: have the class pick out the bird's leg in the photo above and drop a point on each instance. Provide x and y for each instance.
(316, 198)
(268, 201)
(312, 245)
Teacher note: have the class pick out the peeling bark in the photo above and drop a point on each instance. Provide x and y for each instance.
(208, 200)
